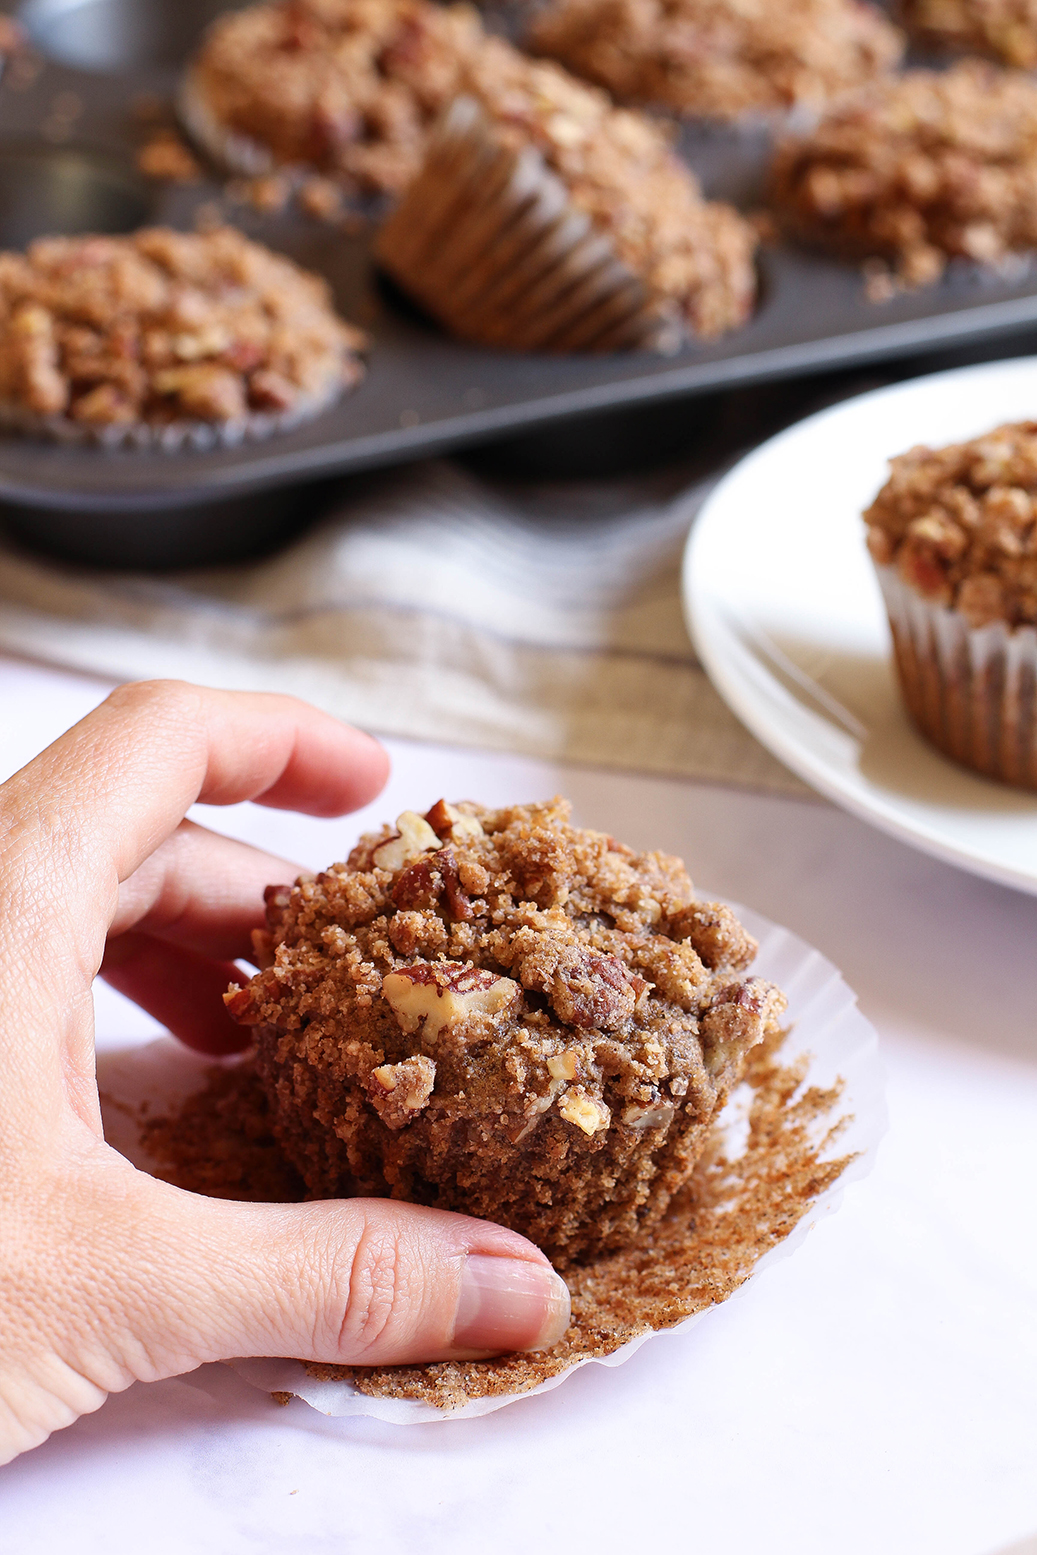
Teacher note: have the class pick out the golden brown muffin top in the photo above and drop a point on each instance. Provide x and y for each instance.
(923, 167)
(1004, 29)
(349, 86)
(960, 524)
(507, 943)
(720, 59)
(165, 326)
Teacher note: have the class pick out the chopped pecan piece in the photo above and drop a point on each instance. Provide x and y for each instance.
(423, 883)
(399, 1092)
(563, 1066)
(659, 1114)
(578, 1108)
(584, 989)
(447, 821)
(444, 994)
(414, 836)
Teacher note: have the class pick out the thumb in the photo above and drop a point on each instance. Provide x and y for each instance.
(368, 1282)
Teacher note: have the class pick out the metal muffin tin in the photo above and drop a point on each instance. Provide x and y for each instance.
(68, 142)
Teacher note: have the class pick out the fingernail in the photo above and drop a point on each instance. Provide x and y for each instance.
(509, 1304)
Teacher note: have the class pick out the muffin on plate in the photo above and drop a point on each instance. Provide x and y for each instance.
(918, 170)
(720, 59)
(558, 222)
(1003, 29)
(953, 534)
(166, 339)
(497, 1012)
(349, 87)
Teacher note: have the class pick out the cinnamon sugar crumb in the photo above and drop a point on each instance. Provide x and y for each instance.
(720, 59)
(917, 170)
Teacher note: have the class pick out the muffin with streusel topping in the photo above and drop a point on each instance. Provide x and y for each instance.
(348, 87)
(167, 339)
(544, 218)
(953, 534)
(720, 59)
(1005, 30)
(497, 1012)
(918, 170)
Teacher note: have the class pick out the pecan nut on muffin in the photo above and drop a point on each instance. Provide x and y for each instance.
(496, 1012)
(720, 59)
(918, 170)
(1003, 29)
(953, 534)
(167, 338)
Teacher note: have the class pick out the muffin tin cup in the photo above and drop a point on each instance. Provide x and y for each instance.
(174, 436)
(488, 241)
(971, 691)
(75, 115)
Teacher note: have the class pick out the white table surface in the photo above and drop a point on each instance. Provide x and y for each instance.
(876, 1392)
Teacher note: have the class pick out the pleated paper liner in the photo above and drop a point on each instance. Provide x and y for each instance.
(487, 240)
(175, 436)
(803, 1126)
(972, 691)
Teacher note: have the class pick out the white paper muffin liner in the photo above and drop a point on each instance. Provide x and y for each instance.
(972, 691)
(174, 436)
(825, 1024)
(487, 240)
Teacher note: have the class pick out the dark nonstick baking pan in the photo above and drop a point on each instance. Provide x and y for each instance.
(68, 141)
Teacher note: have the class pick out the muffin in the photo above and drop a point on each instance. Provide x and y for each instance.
(496, 1012)
(1005, 30)
(350, 87)
(918, 170)
(953, 534)
(720, 59)
(166, 338)
(562, 223)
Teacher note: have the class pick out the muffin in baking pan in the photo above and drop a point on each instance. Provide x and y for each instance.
(720, 59)
(497, 1012)
(568, 225)
(953, 534)
(350, 87)
(167, 339)
(918, 170)
(1005, 30)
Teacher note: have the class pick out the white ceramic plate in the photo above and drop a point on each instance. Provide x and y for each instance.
(825, 1023)
(786, 614)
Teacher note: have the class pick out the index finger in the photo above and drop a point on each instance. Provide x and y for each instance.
(107, 793)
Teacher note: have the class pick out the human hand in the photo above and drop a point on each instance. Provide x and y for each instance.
(107, 1275)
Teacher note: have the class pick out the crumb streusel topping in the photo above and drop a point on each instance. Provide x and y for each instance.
(1003, 29)
(347, 86)
(495, 1011)
(164, 327)
(960, 524)
(920, 169)
(720, 59)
